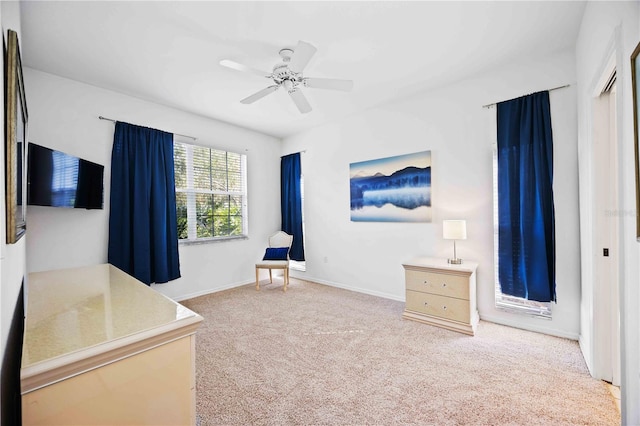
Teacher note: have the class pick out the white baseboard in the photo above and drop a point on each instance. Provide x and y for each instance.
(348, 287)
(586, 354)
(530, 327)
(211, 290)
(489, 318)
(310, 279)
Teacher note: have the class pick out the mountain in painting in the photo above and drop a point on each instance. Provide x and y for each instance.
(407, 177)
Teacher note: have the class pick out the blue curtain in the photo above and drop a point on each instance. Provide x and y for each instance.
(526, 250)
(143, 235)
(291, 203)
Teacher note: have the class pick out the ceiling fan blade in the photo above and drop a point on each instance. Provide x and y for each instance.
(329, 83)
(300, 100)
(302, 54)
(239, 67)
(259, 95)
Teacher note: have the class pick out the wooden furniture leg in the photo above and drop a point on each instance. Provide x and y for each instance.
(257, 278)
(286, 278)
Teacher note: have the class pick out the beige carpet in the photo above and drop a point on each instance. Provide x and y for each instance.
(318, 355)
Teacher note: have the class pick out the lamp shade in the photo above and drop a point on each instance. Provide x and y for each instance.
(454, 229)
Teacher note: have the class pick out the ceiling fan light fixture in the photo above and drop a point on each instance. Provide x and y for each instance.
(289, 85)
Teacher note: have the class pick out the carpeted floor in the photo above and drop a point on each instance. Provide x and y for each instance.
(318, 355)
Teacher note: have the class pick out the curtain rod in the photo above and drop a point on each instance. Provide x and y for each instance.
(549, 90)
(299, 152)
(177, 134)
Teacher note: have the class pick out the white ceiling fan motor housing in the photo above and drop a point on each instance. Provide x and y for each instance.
(282, 75)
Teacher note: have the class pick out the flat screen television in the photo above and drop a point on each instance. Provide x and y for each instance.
(57, 179)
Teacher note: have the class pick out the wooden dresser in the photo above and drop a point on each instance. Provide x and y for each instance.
(102, 348)
(441, 294)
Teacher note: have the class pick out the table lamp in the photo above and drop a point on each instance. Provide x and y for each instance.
(454, 230)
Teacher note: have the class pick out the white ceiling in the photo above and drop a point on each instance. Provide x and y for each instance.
(169, 52)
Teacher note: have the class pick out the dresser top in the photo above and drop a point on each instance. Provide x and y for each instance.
(91, 309)
(442, 264)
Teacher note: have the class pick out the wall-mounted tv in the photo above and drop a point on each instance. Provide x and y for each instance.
(57, 179)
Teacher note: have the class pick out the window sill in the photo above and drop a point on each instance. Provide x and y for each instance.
(295, 265)
(211, 240)
(535, 309)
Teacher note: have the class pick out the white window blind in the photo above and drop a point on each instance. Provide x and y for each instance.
(211, 193)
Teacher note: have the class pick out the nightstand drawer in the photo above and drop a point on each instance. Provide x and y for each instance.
(438, 306)
(442, 284)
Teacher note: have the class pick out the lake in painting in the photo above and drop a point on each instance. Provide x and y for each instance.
(392, 189)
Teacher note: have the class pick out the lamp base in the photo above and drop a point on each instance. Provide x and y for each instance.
(455, 261)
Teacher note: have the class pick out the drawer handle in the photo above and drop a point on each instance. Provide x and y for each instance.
(444, 284)
(425, 303)
(425, 281)
(444, 308)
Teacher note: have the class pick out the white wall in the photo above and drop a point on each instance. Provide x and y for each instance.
(452, 123)
(64, 116)
(12, 256)
(611, 27)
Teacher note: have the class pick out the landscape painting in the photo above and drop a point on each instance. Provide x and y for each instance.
(392, 189)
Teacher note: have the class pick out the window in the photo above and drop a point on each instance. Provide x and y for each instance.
(211, 193)
(504, 301)
(300, 265)
(524, 205)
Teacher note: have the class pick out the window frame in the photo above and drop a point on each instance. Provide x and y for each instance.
(192, 192)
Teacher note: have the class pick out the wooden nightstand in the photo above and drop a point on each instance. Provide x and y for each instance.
(441, 294)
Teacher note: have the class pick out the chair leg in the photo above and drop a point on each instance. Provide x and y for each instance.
(286, 278)
(257, 278)
(270, 277)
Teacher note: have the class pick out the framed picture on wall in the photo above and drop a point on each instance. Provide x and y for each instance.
(16, 119)
(635, 83)
(392, 189)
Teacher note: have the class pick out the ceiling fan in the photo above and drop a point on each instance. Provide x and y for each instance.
(288, 74)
